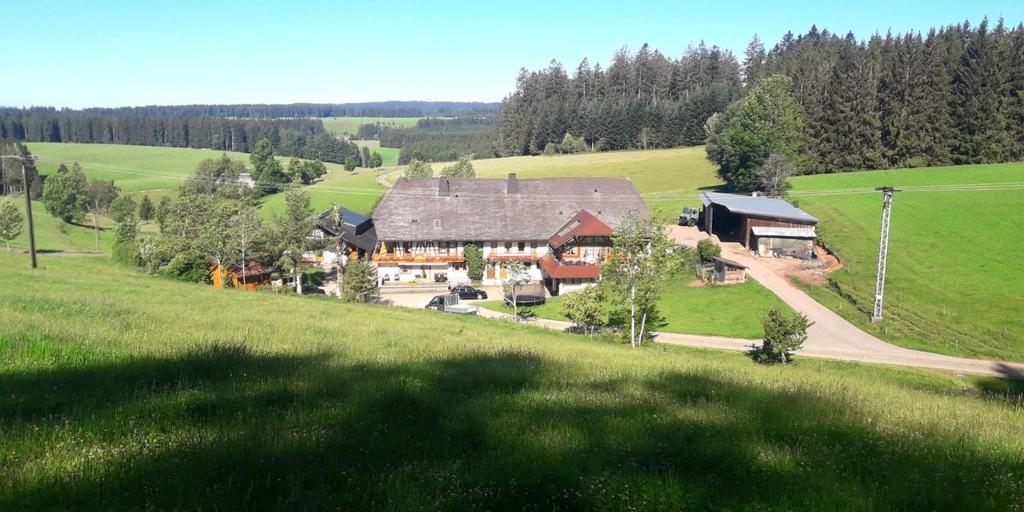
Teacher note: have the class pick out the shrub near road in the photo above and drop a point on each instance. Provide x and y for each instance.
(127, 391)
(954, 279)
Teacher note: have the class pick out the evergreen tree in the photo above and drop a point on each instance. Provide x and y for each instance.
(146, 210)
(11, 221)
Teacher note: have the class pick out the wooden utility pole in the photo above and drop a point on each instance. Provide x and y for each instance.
(883, 250)
(28, 205)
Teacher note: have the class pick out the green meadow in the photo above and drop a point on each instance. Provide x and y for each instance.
(125, 391)
(389, 156)
(158, 171)
(954, 284)
(733, 311)
(349, 125)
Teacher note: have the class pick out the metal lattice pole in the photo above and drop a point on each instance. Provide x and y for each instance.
(883, 250)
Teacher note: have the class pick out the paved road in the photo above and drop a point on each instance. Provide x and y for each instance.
(834, 337)
(831, 336)
(382, 179)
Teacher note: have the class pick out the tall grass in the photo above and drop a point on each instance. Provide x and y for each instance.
(122, 391)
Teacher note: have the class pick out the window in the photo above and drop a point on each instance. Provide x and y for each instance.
(494, 245)
(508, 246)
(533, 246)
(522, 246)
(437, 223)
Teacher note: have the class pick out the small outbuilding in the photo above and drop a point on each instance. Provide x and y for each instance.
(249, 277)
(729, 271)
(770, 226)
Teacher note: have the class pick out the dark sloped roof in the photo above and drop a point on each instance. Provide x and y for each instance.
(582, 224)
(729, 262)
(483, 209)
(758, 206)
(356, 229)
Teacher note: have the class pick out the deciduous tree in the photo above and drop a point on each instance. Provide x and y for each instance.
(641, 259)
(766, 121)
(64, 193)
(418, 169)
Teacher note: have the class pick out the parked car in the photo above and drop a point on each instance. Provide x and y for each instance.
(467, 292)
(449, 303)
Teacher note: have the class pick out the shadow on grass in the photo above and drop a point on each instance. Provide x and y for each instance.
(227, 428)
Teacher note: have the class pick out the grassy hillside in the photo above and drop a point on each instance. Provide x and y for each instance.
(156, 171)
(130, 392)
(667, 178)
(349, 125)
(954, 280)
(54, 235)
(133, 168)
(357, 191)
(733, 311)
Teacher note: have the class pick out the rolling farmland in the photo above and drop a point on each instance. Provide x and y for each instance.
(349, 125)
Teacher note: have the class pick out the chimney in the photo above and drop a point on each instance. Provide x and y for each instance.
(513, 184)
(444, 187)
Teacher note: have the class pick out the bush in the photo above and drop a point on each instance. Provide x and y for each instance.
(126, 254)
(782, 334)
(474, 262)
(189, 267)
(708, 249)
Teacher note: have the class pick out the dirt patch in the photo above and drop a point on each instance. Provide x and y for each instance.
(815, 271)
(696, 283)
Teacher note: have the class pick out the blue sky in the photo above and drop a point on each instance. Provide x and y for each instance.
(173, 52)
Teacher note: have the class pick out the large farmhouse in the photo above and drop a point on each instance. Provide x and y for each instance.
(772, 227)
(559, 227)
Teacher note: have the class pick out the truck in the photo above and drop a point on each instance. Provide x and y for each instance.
(449, 303)
(689, 217)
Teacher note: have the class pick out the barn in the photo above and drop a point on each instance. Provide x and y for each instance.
(772, 227)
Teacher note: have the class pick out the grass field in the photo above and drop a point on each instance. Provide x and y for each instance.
(131, 392)
(733, 311)
(667, 178)
(349, 125)
(54, 235)
(356, 191)
(133, 168)
(389, 156)
(954, 283)
(156, 171)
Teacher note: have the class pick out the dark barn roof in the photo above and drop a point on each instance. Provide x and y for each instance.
(759, 207)
(356, 229)
(421, 209)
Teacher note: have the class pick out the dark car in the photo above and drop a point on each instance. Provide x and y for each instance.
(469, 293)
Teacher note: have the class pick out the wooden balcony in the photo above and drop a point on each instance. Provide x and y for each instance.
(416, 258)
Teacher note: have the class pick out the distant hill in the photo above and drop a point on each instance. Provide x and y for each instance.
(265, 111)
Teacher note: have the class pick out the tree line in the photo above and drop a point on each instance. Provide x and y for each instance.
(953, 95)
(262, 111)
(642, 100)
(303, 138)
(950, 96)
(435, 139)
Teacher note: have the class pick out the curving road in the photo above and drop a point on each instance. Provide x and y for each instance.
(834, 337)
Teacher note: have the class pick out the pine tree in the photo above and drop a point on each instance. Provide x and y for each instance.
(146, 210)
